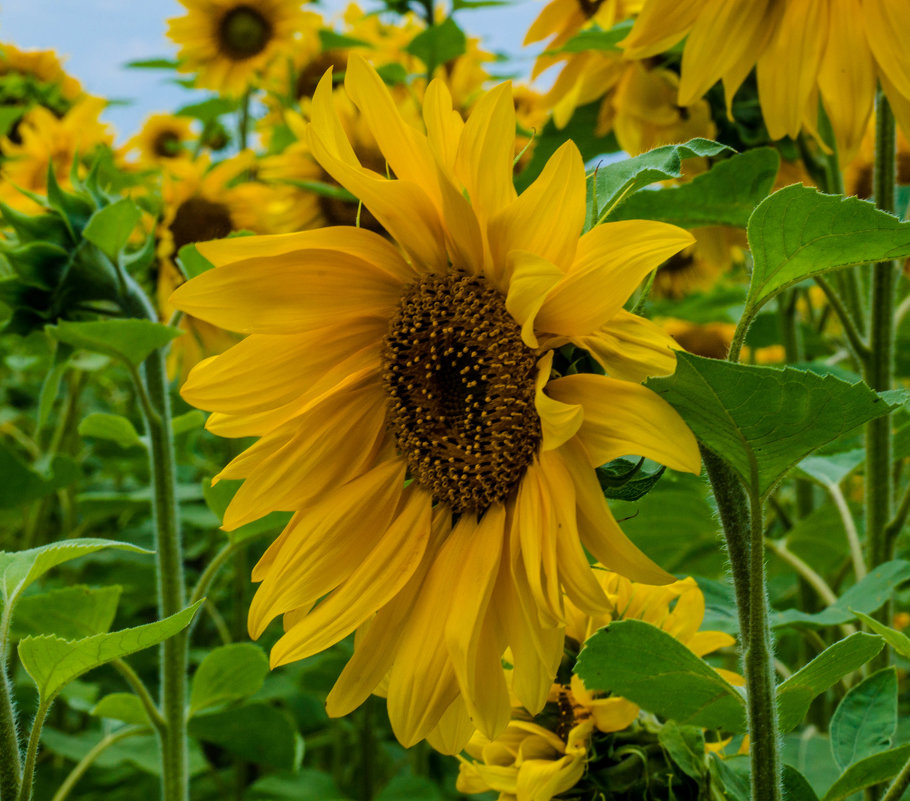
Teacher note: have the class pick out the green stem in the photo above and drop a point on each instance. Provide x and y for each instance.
(854, 337)
(31, 754)
(899, 785)
(141, 691)
(10, 759)
(759, 668)
(88, 760)
(171, 587)
(879, 366)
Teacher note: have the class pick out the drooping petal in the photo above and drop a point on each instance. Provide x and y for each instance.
(887, 23)
(659, 26)
(453, 731)
(289, 293)
(622, 418)
(631, 348)
(531, 279)
(599, 531)
(559, 422)
(374, 581)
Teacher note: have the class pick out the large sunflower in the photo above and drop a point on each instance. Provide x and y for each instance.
(833, 49)
(441, 475)
(228, 43)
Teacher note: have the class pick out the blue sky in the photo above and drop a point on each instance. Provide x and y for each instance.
(98, 36)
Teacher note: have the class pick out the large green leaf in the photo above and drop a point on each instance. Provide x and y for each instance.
(132, 341)
(646, 665)
(870, 771)
(438, 44)
(832, 468)
(110, 227)
(52, 661)
(798, 232)
(763, 420)
(69, 612)
(867, 595)
(866, 719)
(259, 733)
(19, 569)
(725, 195)
(796, 787)
(228, 673)
(613, 183)
(797, 692)
(686, 747)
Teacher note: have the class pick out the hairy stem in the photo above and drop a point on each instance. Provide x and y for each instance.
(10, 759)
(31, 753)
(899, 785)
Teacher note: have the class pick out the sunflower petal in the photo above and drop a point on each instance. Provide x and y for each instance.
(559, 422)
(631, 348)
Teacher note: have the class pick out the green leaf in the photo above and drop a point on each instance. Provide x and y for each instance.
(438, 44)
(22, 484)
(113, 427)
(845, 656)
(51, 386)
(132, 341)
(259, 733)
(209, 110)
(18, 570)
(798, 232)
(228, 673)
(307, 784)
(763, 420)
(329, 40)
(832, 468)
(125, 707)
(866, 719)
(867, 595)
(896, 639)
(872, 770)
(52, 661)
(725, 195)
(796, 787)
(616, 182)
(686, 747)
(69, 612)
(651, 668)
(192, 262)
(596, 39)
(190, 421)
(110, 227)
(624, 480)
(152, 64)
(733, 774)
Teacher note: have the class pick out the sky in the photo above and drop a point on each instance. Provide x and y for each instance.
(98, 37)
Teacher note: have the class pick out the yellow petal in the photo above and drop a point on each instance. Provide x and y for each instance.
(788, 68)
(372, 584)
(613, 714)
(531, 279)
(622, 418)
(326, 542)
(453, 731)
(631, 348)
(486, 152)
(358, 242)
(705, 642)
(290, 293)
(444, 125)
(660, 25)
(547, 218)
(611, 261)
(599, 531)
(266, 371)
(887, 23)
(559, 422)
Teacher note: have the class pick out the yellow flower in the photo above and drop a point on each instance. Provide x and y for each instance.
(45, 140)
(525, 763)
(698, 267)
(369, 362)
(835, 50)
(228, 43)
(163, 137)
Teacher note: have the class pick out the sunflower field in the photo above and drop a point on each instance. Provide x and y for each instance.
(398, 419)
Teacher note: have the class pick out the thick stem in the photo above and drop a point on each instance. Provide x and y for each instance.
(759, 668)
(879, 366)
(31, 754)
(171, 586)
(10, 759)
(899, 785)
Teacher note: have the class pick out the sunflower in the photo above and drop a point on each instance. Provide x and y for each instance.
(44, 140)
(35, 77)
(163, 137)
(539, 757)
(369, 363)
(834, 50)
(229, 43)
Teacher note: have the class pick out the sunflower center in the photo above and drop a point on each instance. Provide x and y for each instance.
(167, 145)
(461, 389)
(199, 220)
(243, 32)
